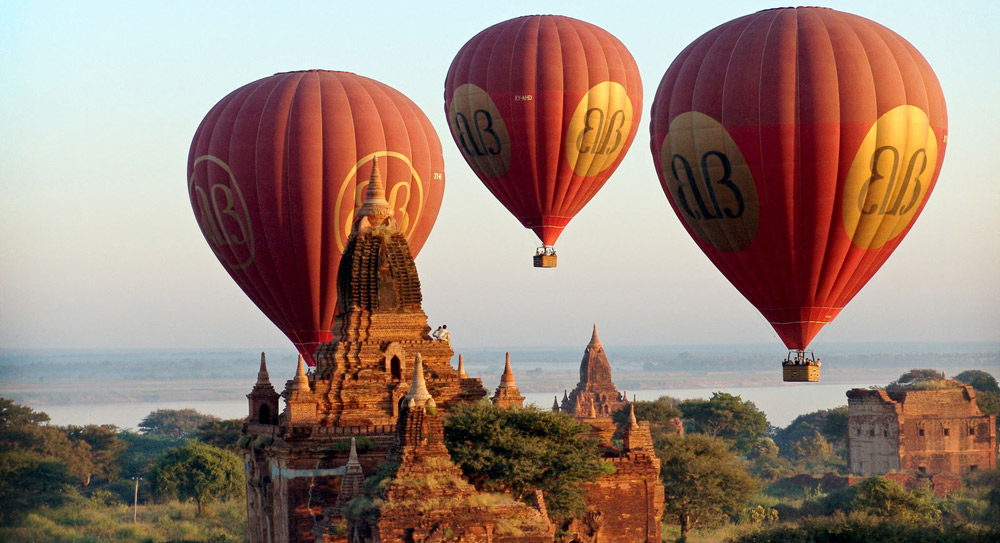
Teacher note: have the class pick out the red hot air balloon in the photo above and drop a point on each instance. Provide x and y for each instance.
(797, 146)
(279, 166)
(543, 109)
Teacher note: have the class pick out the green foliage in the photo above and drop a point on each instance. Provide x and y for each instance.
(812, 447)
(659, 413)
(142, 452)
(728, 417)
(174, 423)
(16, 415)
(881, 497)
(867, 529)
(28, 481)
(703, 480)
(198, 472)
(831, 424)
(361, 443)
(523, 450)
(980, 380)
(86, 521)
(220, 433)
(106, 449)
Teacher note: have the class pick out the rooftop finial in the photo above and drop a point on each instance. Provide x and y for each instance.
(419, 396)
(631, 416)
(301, 381)
(507, 379)
(375, 210)
(353, 458)
(263, 378)
(594, 341)
(461, 368)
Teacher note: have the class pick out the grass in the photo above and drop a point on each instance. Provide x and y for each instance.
(84, 521)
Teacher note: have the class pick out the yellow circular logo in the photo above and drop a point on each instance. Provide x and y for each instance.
(889, 178)
(599, 128)
(709, 181)
(479, 131)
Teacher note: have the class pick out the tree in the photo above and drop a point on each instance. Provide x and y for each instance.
(29, 480)
(702, 480)
(660, 414)
(811, 447)
(199, 472)
(523, 450)
(886, 498)
(728, 417)
(39, 464)
(916, 378)
(831, 424)
(175, 423)
(14, 415)
(915, 375)
(220, 433)
(980, 380)
(105, 448)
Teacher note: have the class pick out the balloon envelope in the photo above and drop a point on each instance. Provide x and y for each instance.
(543, 109)
(797, 146)
(276, 171)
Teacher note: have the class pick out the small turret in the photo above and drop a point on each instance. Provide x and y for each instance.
(375, 211)
(507, 394)
(263, 399)
(461, 367)
(419, 396)
(353, 483)
(301, 381)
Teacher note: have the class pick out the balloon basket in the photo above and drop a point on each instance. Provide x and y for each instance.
(806, 373)
(545, 261)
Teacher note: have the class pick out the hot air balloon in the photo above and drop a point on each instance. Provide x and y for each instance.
(543, 108)
(276, 171)
(797, 146)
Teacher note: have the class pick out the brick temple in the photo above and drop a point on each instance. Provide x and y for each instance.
(928, 432)
(376, 401)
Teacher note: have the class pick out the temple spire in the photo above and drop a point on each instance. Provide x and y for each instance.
(461, 368)
(631, 416)
(507, 379)
(419, 396)
(263, 379)
(375, 210)
(595, 342)
(507, 394)
(352, 459)
(555, 404)
(301, 381)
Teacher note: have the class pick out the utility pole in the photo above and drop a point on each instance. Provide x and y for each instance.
(135, 502)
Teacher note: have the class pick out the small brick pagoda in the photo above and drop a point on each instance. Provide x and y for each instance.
(507, 394)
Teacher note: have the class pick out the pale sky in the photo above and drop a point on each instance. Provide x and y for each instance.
(99, 247)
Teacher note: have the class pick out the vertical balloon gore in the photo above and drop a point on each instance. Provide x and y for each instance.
(543, 109)
(277, 170)
(797, 146)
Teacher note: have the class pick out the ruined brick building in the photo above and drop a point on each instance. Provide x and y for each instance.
(375, 401)
(921, 431)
